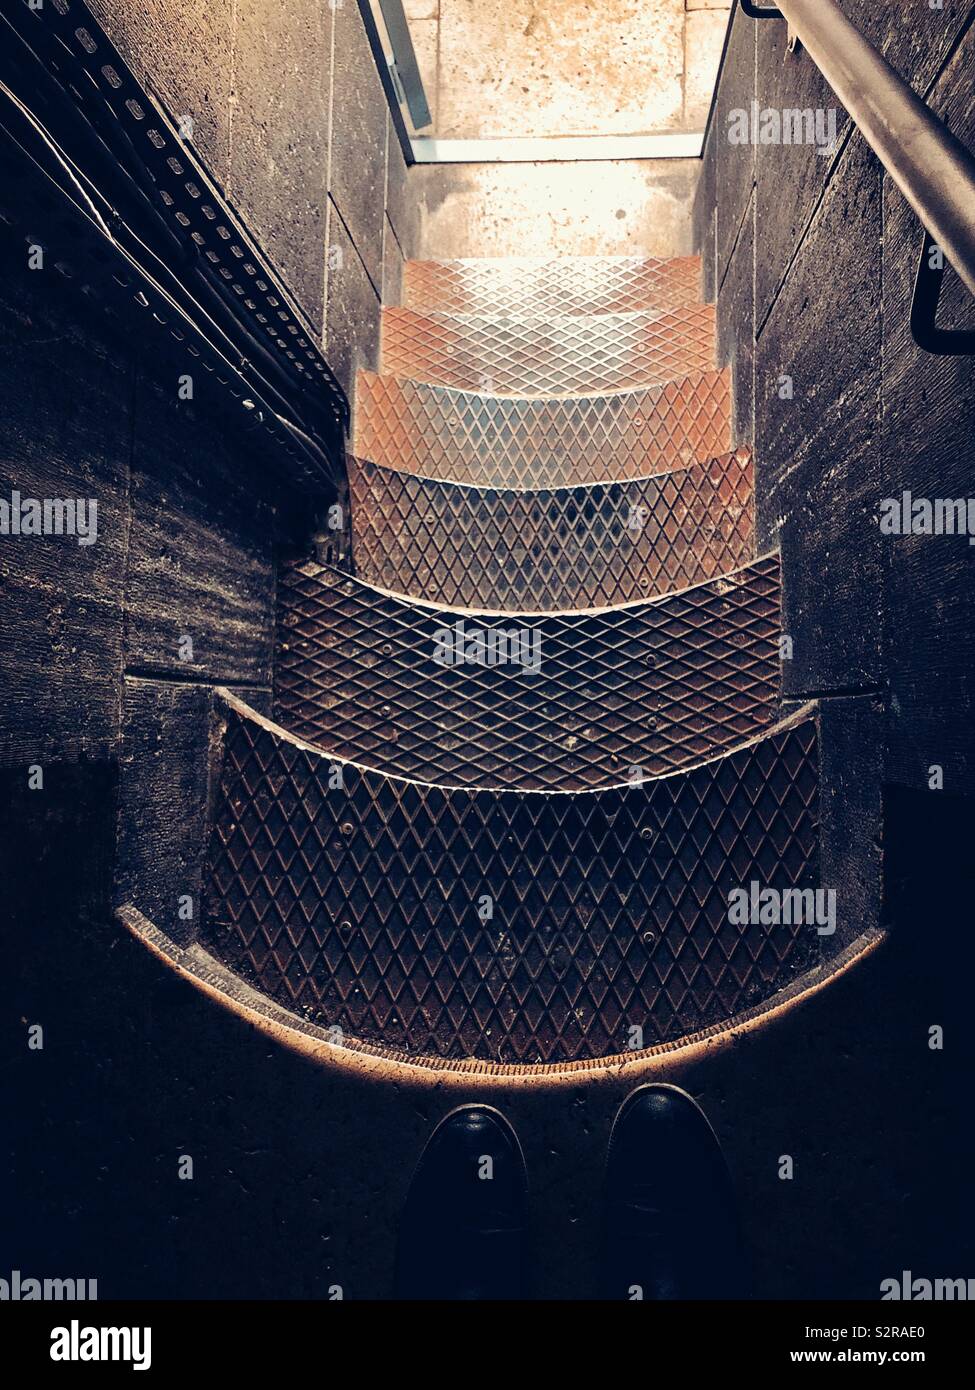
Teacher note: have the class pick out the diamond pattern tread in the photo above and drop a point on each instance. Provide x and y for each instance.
(609, 696)
(555, 356)
(499, 441)
(546, 549)
(510, 926)
(526, 287)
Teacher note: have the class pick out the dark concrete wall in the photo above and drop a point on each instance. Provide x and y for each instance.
(101, 690)
(811, 259)
(99, 687)
(290, 119)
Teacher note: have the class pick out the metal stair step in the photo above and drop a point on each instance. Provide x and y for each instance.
(550, 548)
(587, 700)
(508, 926)
(540, 286)
(503, 441)
(552, 356)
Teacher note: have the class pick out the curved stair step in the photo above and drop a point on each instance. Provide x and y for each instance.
(544, 549)
(527, 286)
(553, 356)
(589, 700)
(513, 927)
(197, 967)
(509, 441)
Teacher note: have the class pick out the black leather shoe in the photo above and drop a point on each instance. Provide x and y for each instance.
(670, 1226)
(462, 1235)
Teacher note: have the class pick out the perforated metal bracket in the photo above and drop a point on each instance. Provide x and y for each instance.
(941, 342)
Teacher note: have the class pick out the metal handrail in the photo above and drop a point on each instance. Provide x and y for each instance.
(933, 170)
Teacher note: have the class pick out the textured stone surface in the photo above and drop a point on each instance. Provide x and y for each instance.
(164, 784)
(736, 337)
(357, 164)
(421, 9)
(352, 307)
(734, 165)
(818, 462)
(260, 84)
(927, 432)
(279, 154)
(200, 553)
(65, 402)
(520, 67)
(704, 33)
(917, 49)
(402, 210)
(393, 264)
(704, 218)
(897, 612)
(787, 81)
(541, 68)
(605, 208)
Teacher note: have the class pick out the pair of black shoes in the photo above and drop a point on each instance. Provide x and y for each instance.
(670, 1228)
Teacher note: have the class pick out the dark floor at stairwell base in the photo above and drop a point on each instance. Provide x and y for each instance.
(134, 1057)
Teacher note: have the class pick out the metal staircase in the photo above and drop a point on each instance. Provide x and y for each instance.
(521, 754)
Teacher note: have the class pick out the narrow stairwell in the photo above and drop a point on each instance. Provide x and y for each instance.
(528, 747)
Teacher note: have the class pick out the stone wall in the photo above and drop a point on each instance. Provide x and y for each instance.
(811, 255)
(290, 118)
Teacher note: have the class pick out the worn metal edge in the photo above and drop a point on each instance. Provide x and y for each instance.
(373, 1063)
(557, 398)
(806, 713)
(743, 453)
(448, 317)
(508, 615)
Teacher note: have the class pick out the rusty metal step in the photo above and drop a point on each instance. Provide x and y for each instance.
(553, 356)
(567, 285)
(544, 549)
(521, 927)
(560, 701)
(499, 441)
